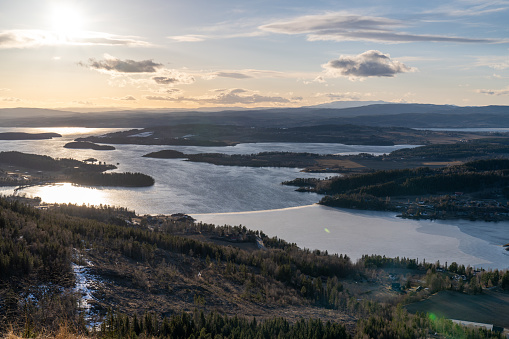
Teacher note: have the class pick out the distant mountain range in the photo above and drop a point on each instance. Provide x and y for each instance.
(343, 112)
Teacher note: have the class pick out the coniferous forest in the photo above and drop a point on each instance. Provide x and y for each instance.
(155, 278)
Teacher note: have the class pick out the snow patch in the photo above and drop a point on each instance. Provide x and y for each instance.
(86, 285)
(141, 135)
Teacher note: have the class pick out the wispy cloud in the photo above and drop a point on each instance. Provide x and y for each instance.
(188, 38)
(347, 96)
(495, 62)
(228, 97)
(253, 74)
(38, 38)
(165, 80)
(368, 64)
(496, 92)
(112, 64)
(233, 75)
(341, 26)
(172, 77)
(142, 74)
(127, 98)
(203, 37)
(470, 8)
(10, 99)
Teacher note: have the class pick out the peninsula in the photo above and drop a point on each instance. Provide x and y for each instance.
(28, 136)
(224, 135)
(22, 169)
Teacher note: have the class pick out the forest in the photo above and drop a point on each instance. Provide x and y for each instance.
(42, 169)
(473, 190)
(88, 145)
(125, 179)
(461, 150)
(431, 156)
(47, 163)
(153, 279)
(223, 134)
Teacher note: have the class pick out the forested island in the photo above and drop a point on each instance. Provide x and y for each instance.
(88, 145)
(126, 179)
(167, 277)
(431, 156)
(309, 161)
(28, 136)
(23, 169)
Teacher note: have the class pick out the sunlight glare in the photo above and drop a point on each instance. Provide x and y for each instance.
(69, 193)
(66, 21)
(68, 130)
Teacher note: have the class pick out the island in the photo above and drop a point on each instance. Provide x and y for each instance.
(465, 180)
(431, 156)
(309, 161)
(88, 145)
(27, 136)
(23, 169)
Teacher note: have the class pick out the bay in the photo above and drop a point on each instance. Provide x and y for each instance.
(180, 186)
(255, 198)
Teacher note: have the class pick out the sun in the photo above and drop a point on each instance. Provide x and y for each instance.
(66, 21)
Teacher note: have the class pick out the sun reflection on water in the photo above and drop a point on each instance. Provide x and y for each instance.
(68, 130)
(69, 193)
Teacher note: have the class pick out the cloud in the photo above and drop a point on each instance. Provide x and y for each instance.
(83, 103)
(368, 64)
(10, 99)
(228, 97)
(165, 80)
(331, 22)
(251, 73)
(188, 38)
(142, 74)
(348, 96)
(496, 92)
(173, 77)
(233, 75)
(495, 62)
(340, 26)
(471, 8)
(38, 38)
(111, 64)
(128, 98)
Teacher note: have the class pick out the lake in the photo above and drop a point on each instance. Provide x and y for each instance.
(356, 233)
(180, 186)
(254, 197)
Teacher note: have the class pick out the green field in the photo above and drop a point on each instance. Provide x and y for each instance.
(490, 307)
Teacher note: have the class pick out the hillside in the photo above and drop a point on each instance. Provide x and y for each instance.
(167, 276)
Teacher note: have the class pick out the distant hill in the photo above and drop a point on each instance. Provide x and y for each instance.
(347, 104)
(380, 114)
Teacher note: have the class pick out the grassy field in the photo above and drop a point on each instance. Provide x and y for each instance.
(490, 307)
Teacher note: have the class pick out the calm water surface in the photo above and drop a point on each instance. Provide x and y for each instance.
(199, 188)
(181, 186)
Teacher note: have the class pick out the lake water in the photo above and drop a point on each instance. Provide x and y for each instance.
(180, 186)
(204, 190)
(356, 233)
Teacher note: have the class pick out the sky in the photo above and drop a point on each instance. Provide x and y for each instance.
(258, 53)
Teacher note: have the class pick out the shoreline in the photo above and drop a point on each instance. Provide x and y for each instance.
(356, 233)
